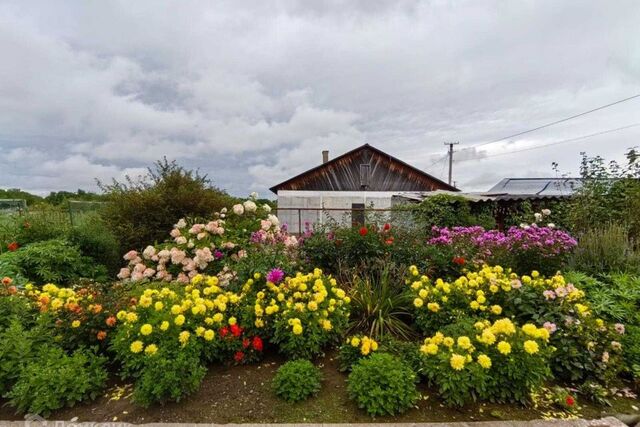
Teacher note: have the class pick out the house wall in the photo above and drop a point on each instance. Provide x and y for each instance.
(310, 203)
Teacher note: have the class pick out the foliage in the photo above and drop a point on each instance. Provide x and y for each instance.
(355, 348)
(379, 304)
(16, 193)
(498, 362)
(449, 210)
(39, 224)
(606, 249)
(52, 261)
(383, 385)
(54, 380)
(94, 239)
(168, 377)
(61, 197)
(142, 210)
(296, 380)
(631, 346)
(16, 351)
(610, 193)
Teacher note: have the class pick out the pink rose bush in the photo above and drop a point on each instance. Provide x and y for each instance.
(197, 246)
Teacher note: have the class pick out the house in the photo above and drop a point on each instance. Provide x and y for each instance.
(341, 188)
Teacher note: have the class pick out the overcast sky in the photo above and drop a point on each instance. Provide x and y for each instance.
(250, 92)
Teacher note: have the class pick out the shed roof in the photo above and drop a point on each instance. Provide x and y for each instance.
(335, 162)
(535, 187)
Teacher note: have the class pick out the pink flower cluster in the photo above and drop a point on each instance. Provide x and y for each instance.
(559, 292)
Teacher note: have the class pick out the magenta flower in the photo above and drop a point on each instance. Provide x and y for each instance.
(275, 276)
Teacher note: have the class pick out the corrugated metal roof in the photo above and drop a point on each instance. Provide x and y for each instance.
(535, 187)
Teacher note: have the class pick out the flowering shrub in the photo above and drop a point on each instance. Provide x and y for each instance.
(208, 247)
(586, 346)
(297, 380)
(498, 361)
(524, 248)
(355, 348)
(383, 385)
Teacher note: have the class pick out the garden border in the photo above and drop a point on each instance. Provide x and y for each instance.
(603, 422)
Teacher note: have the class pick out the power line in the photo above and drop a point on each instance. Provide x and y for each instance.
(602, 107)
(579, 138)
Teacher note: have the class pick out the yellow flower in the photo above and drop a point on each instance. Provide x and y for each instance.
(132, 317)
(75, 324)
(259, 323)
(233, 321)
(447, 341)
(146, 329)
(209, 335)
(496, 309)
(504, 347)
(530, 330)
(429, 349)
(184, 337)
(136, 346)
(484, 361)
(176, 309)
(457, 361)
(423, 293)
(297, 329)
(121, 315)
(433, 306)
(151, 349)
(218, 317)
(374, 345)
(355, 341)
(474, 305)
(464, 342)
(418, 302)
(312, 306)
(531, 347)
(164, 326)
(158, 305)
(326, 325)
(179, 320)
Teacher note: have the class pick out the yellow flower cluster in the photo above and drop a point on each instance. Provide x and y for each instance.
(480, 287)
(500, 335)
(303, 298)
(365, 344)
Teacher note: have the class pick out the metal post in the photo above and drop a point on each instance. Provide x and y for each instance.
(451, 144)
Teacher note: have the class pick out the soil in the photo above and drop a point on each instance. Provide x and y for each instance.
(242, 394)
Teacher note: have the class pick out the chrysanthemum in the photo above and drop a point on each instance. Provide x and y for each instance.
(457, 361)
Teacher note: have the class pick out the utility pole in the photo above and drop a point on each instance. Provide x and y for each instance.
(451, 144)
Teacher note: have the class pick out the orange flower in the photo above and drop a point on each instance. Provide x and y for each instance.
(13, 246)
(101, 335)
(7, 281)
(44, 300)
(97, 308)
(12, 290)
(111, 321)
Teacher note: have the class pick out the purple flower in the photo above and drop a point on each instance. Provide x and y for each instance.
(217, 254)
(275, 276)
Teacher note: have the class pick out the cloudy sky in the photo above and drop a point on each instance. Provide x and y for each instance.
(250, 92)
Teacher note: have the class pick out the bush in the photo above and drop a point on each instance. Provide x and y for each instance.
(297, 380)
(94, 239)
(42, 223)
(53, 261)
(54, 380)
(497, 362)
(383, 385)
(168, 377)
(17, 349)
(446, 210)
(143, 211)
(606, 249)
(356, 348)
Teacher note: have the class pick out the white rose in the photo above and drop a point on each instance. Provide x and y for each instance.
(181, 224)
(546, 212)
(274, 220)
(238, 209)
(249, 206)
(551, 225)
(266, 208)
(149, 252)
(538, 216)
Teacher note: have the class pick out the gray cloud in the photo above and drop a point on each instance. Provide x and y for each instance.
(251, 92)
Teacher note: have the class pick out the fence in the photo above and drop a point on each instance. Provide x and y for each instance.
(300, 219)
(9, 206)
(72, 212)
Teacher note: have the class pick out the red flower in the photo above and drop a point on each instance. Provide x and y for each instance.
(257, 343)
(101, 335)
(238, 356)
(12, 290)
(7, 281)
(386, 227)
(246, 342)
(363, 231)
(224, 331)
(458, 260)
(389, 241)
(570, 400)
(13, 246)
(236, 330)
(111, 321)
